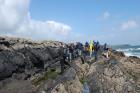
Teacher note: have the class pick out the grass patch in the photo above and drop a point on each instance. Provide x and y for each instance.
(101, 63)
(82, 80)
(52, 74)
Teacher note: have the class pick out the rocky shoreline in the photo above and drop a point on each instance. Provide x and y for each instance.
(28, 66)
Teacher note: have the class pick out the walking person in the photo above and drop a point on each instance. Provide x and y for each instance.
(91, 47)
(63, 60)
(105, 47)
(86, 49)
(70, 54)
(96, 50)
(80, 48)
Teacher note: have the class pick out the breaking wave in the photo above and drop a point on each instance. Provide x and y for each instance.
(130, 51)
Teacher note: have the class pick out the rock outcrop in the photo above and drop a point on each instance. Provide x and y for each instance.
(28, 66)
(24, 56)
(120, 74)
(69, 83)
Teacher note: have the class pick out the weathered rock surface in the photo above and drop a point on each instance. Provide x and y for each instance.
(24, 56)
(70, 83)
(32, 67)
(17, 86)
(120, 74)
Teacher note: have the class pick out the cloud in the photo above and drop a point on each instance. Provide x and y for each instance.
(59, 27)
(15, 20)
(106, 15)
(12, 13)
(130, 24)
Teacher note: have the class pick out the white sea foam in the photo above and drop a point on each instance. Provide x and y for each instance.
(128, 54)
(132, 54)
(130, 51)
(126, 50)
(138, 48)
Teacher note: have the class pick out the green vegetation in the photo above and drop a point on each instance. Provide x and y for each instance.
(101, 63)
(52, 74)
(82, 80)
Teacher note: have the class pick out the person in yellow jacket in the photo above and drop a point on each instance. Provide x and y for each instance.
(91, 48)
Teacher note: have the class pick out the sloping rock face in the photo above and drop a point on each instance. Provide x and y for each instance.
(24, 56)
(112, 78)
(24, 63)
(17, 86)
(120, 74)
(70, 83)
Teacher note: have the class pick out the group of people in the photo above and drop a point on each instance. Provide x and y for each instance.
(73, 51)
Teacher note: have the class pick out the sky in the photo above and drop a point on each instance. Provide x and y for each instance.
(111, 21)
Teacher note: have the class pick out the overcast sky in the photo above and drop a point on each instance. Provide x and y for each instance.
(111, 21)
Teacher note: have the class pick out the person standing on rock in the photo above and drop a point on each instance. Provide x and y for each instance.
(107, 51)
(86, 48)
(105, 47)
(79, 48)
(63, 60)
(75, 53)
(86, 44)
(84, 54)
(91, 47)
(70, 55)
(96, 50)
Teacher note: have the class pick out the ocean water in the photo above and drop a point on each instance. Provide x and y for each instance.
(128, 50)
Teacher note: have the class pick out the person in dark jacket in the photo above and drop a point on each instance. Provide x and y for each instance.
(70, 54)
(63, 60)
(86, 49)
(86, 44)
(96, 49)
(75, 53)
(79, 48)
(105, 47)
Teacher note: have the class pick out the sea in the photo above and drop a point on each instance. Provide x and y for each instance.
(128, 50)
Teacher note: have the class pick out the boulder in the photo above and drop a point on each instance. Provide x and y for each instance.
(18, 86)
(25, 56)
